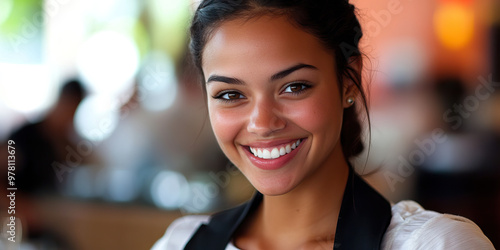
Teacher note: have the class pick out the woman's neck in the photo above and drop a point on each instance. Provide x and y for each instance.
(306, 215)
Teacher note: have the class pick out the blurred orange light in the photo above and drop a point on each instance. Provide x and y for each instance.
(457, 1)
(454, 25)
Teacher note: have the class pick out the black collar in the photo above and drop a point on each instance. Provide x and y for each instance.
(363, 219)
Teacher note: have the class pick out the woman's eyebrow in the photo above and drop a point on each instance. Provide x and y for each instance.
(277, 76)
(288, 71)
(228, 80)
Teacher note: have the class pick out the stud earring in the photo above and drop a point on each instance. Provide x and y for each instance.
(350, 100)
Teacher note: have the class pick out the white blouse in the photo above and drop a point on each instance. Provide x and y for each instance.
(411, 227)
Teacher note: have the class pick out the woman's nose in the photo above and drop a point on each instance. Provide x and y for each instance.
(265, 119)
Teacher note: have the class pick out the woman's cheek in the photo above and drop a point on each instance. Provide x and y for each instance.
(313, 114)
(226, 125)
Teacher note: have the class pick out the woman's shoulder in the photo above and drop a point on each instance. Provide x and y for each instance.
(180, 231)
(413, 227)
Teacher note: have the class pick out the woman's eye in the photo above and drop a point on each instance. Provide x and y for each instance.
(295, 88)
(232, 96)
(229, 96)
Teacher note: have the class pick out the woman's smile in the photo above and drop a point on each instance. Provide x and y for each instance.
(275, 151)
(270, 155)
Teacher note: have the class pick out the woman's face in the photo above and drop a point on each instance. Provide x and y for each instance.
(273, 101)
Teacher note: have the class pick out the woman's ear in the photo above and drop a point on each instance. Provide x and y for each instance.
(350, 90)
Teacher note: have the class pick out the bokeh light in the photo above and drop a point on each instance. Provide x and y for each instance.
(97, 117)
(157, 83)
(26, 88)
(5, 9)
(108, 62)
(121, 185)
(169, 21)
(404, 61)
(169, 190)
(103, 10)
(454, 25)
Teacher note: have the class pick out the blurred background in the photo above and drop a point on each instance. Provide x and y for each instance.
(112, 141)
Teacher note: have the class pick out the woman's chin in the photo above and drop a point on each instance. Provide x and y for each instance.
(273, 186)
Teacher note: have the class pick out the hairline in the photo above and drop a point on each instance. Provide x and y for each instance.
(256, 12)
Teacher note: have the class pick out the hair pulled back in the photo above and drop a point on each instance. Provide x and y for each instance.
(333, 22)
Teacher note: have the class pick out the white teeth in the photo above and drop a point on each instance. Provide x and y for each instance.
(282, 151)
(274, 152)
(266, 154)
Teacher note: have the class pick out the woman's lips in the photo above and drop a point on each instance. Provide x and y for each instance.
(270, 158)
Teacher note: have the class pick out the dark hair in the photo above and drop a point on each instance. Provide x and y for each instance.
(333, 22)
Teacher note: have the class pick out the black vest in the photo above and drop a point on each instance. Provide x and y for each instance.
(363, 219)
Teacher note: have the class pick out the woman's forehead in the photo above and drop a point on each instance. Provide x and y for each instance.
(267, 43)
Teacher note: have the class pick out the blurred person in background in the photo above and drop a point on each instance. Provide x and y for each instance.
(38, 145)
(42, 143)
(282, 80)
(461, 175)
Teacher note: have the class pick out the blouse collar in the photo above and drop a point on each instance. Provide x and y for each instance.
(363, 219)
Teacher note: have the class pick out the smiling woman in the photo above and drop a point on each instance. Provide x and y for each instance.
(281, 89)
